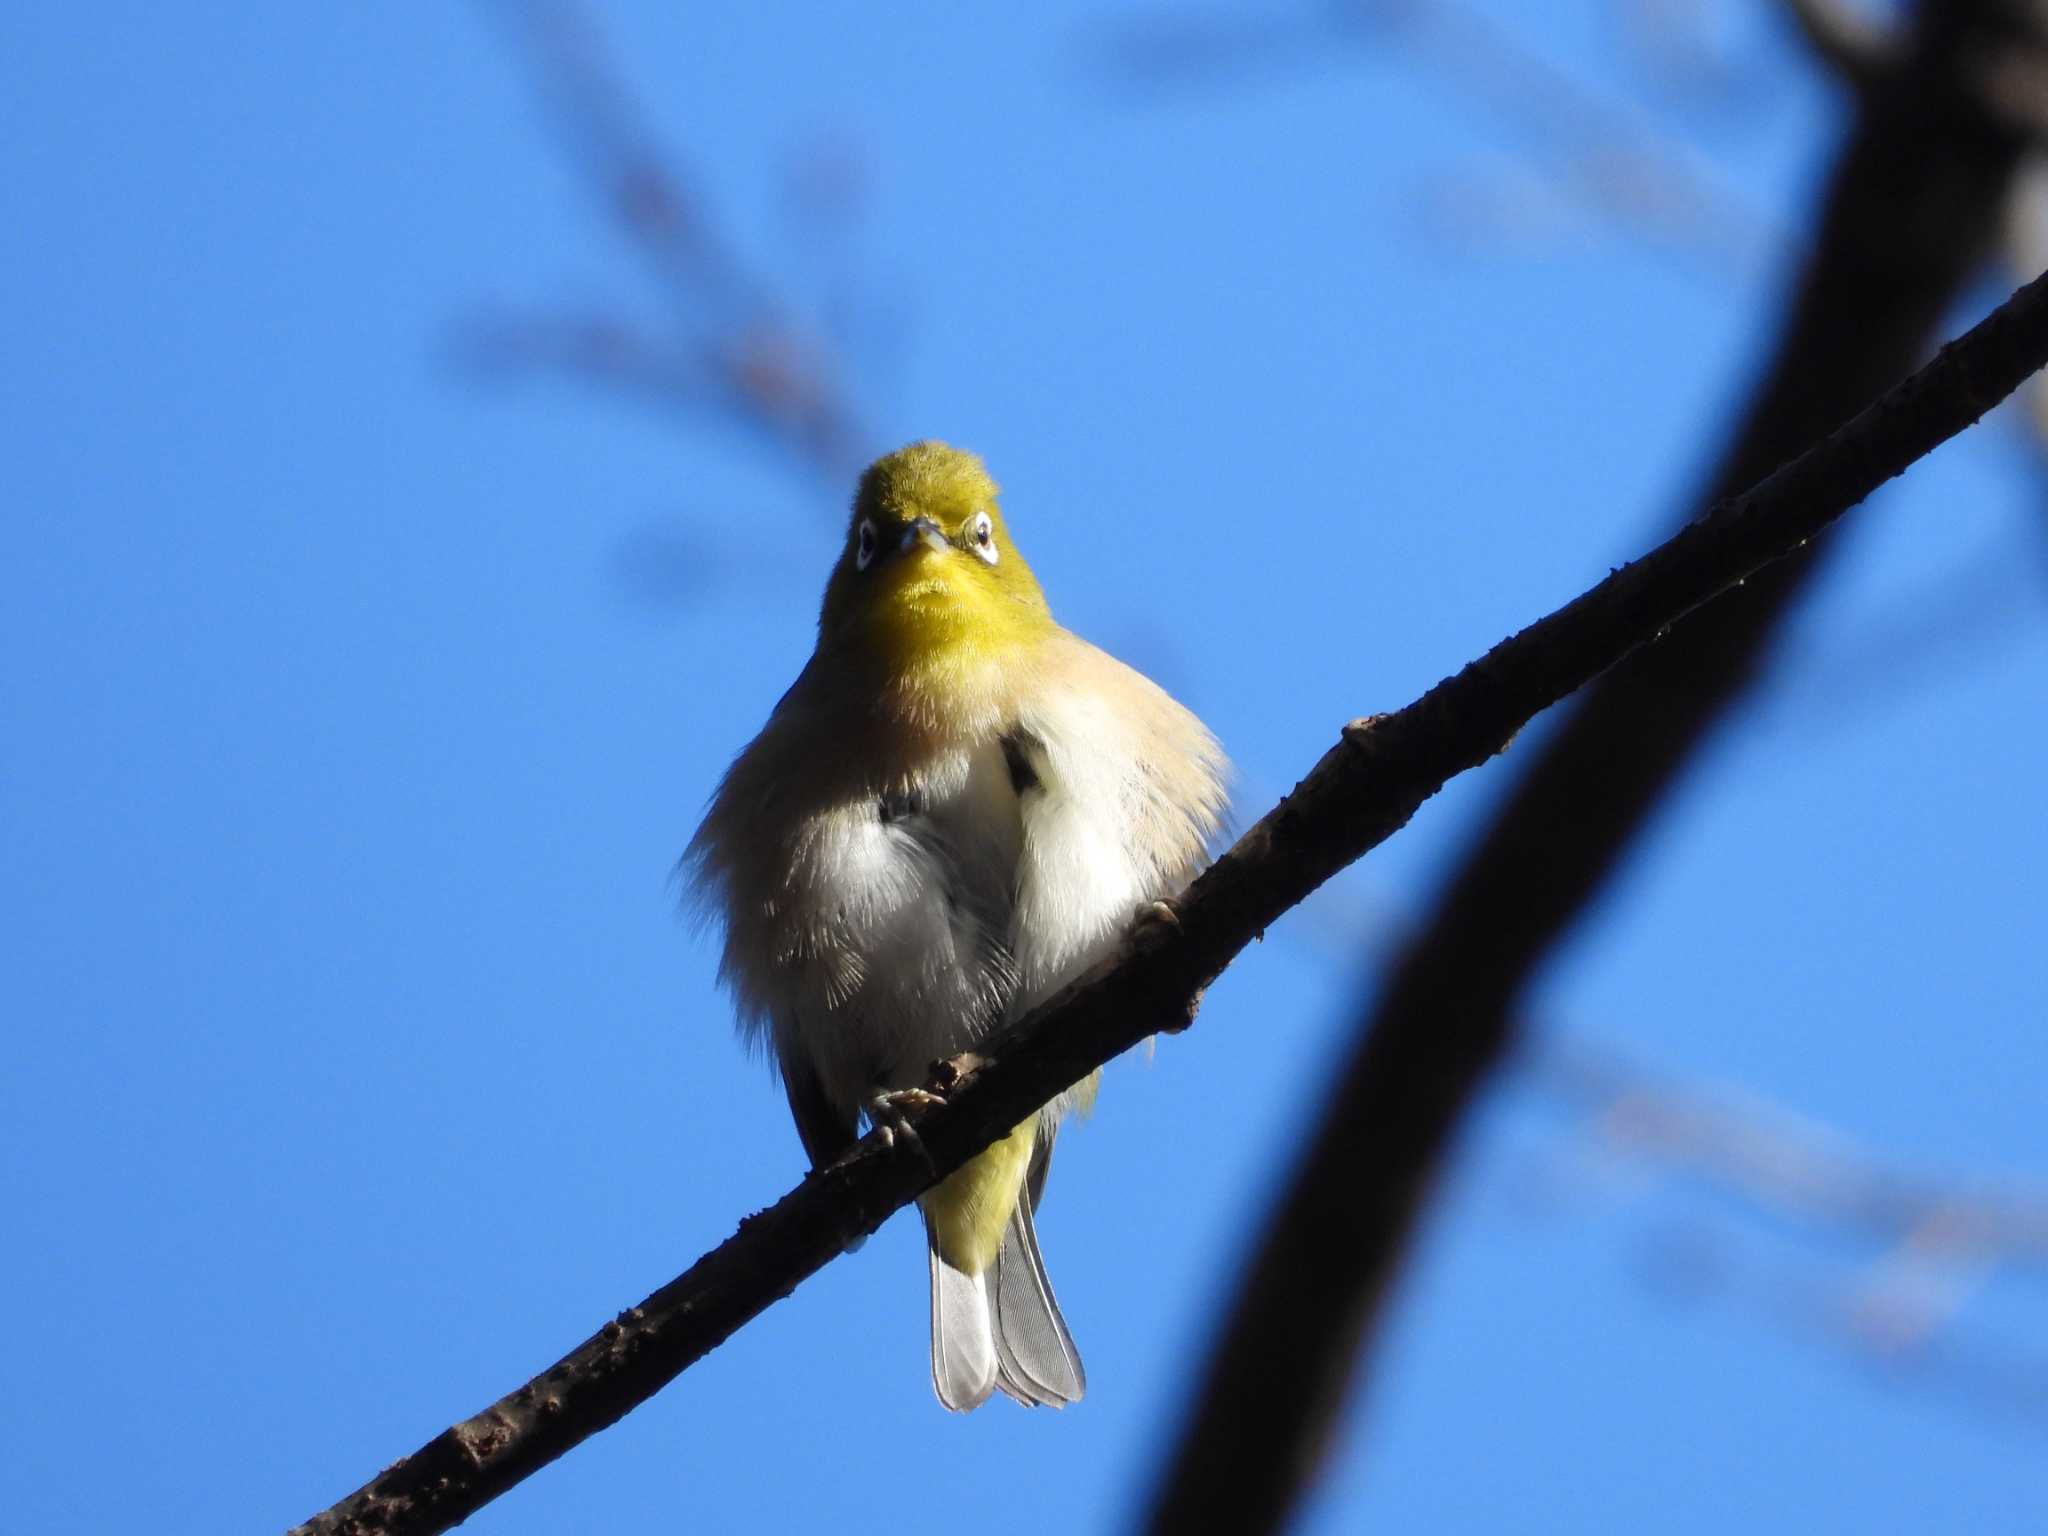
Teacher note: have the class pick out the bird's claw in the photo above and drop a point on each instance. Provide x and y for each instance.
(893, 1115)
(1154, 922)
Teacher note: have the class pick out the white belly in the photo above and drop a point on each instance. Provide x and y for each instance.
(896, 949)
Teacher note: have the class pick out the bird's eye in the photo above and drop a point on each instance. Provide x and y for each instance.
(983, 532)
(864, 546)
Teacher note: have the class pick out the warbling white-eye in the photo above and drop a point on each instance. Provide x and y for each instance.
(956, 808)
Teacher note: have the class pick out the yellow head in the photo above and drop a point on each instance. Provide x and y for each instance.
(929, 578)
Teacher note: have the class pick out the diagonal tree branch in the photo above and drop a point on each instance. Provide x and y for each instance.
(1912, 214)
(1362, 792)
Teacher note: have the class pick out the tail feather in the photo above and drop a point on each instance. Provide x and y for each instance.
(1036, 1362)
(964, 1363)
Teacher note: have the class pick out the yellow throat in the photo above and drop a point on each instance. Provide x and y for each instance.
(929, 585)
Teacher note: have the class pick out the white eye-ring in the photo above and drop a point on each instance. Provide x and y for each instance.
(982, 535)
(864, 546)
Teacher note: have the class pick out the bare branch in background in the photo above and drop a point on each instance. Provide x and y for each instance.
(1632, 1134)
(1792, 1167)
(1911, 1247)
(1592, 153)
(1912, 216)
(1848, 43)
(1681, 43)
(727, 342)
(1605, 157)
(1902, 1250)
(1365, 789)
(2011, 80)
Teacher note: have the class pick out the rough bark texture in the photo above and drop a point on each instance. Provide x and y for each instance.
(1910, 216)
(1364, 789)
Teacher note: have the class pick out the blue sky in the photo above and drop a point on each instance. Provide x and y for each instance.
(357, 707)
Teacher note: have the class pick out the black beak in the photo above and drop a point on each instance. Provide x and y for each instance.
(923, 528)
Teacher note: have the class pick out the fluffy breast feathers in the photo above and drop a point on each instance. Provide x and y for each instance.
(894, 882)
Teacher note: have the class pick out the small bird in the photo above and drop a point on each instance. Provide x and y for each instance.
(956, 808)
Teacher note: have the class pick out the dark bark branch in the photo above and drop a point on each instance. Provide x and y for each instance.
(1364, 789)
(1912, 213)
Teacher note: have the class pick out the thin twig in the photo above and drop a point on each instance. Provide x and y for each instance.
(1365, 788)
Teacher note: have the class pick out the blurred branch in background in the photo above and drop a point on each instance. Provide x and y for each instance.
(1582, 161)
(1601, 156)
(1913, 215)
(1708, 53)
(728, 344)
(1921, 1244)
(1853, 46)
(1362, 791)
(1585, 152)
(1918, 1246)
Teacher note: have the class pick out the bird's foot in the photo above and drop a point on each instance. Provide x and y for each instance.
(893, 1115)
(1154, 923)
